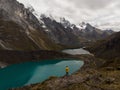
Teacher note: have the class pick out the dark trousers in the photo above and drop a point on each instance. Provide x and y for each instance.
(67, 73)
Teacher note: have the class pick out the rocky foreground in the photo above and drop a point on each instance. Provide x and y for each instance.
(89, 80)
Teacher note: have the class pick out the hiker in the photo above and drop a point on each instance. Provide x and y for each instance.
(67, 70)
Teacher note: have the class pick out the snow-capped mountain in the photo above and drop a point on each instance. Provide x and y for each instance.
(21, 28)
(65, 33)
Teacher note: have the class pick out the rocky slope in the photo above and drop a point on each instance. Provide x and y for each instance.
(108, 48)
(20, 29)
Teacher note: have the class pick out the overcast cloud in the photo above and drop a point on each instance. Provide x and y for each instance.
(102, 13)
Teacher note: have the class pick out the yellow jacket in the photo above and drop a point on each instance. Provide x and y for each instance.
(67, 69)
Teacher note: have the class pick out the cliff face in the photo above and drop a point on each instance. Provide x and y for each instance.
(60, 34)
(20, 29)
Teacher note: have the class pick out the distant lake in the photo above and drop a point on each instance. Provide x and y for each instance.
(18, 75)
(76, 51)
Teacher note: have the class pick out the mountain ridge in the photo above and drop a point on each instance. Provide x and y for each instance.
(61, 32)
(28, 26)
(45, 33)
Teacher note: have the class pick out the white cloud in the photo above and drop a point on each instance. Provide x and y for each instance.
(96, 12)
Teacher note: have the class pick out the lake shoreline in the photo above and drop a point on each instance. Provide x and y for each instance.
(8, 57)
(40, 55)
(34, 72)
(87, 59)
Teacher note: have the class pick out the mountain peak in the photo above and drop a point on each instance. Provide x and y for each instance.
(65, 22)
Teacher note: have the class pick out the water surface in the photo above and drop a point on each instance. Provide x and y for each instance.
(76, 51)
(33, 72)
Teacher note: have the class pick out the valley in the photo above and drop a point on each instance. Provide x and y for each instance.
(33, 41)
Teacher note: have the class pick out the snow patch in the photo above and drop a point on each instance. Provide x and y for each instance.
(47, 30)
(27, 32)
(44, 26)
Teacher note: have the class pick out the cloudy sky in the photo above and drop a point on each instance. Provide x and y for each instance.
(101, 13)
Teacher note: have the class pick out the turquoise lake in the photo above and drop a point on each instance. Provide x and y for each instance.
(18, 75)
